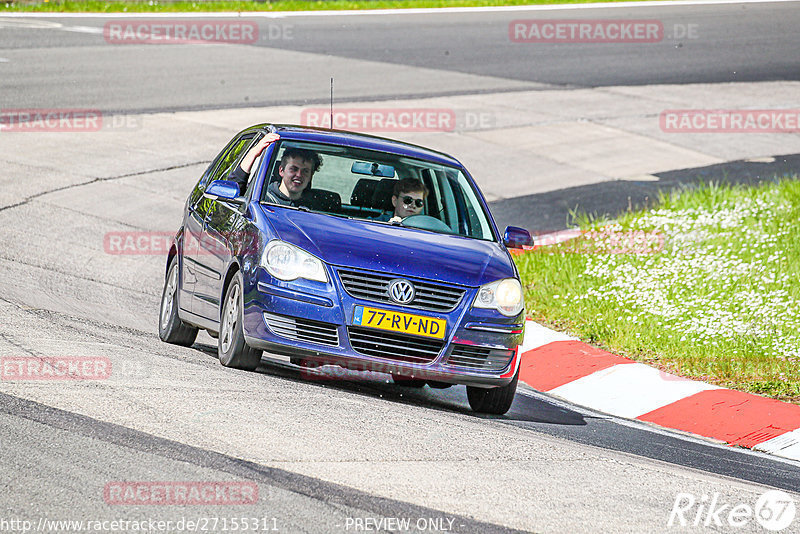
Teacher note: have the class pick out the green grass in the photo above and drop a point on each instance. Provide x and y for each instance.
(153, 6)
(709, 291)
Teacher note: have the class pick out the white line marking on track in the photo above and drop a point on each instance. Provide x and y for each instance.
(527, 391)
(26, 24)
(537, 336)
(83, 29)
(629, 390)
(786, 445)
(420, 11)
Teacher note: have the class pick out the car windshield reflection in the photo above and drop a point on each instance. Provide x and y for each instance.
(385, 188)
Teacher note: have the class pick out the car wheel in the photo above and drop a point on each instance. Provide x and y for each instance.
(232, 349)
(170, 327)
(408, 382)
(495, 401)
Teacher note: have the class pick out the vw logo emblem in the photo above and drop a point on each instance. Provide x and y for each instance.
(401, 291)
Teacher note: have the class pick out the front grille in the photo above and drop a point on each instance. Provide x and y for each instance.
(374, 286)
(393, 346)
(479, 358)
(303, 329)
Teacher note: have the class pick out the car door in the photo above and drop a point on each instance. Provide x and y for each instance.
(212, 223)
(192, 230)
(222, 225)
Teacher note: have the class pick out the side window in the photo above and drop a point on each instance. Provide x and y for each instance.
(251, 183)
(200, 187)
(197, 192)
(219, 170)
(447, 200)
(434, 203)
(231, 157)
(472, 221)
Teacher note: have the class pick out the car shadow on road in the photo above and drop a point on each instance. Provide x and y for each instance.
(547, 212)
(379, 385)
(453, 399)
(536, 410)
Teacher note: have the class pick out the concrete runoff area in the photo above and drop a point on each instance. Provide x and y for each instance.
(517, 145)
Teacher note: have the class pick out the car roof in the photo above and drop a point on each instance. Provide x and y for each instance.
(359, 140)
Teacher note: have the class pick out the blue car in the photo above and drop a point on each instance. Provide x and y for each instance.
(307, 257)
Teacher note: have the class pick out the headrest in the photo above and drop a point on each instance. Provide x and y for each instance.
(322, 200)
(363, 193)
(382, 198)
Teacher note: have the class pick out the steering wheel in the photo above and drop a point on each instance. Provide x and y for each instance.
(426, 222)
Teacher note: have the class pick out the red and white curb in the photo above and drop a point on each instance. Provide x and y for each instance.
(562, 366)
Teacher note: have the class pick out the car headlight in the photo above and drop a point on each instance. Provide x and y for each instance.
(504, 295)
(287, 262)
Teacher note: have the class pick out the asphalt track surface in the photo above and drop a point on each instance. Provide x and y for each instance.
(329, 449)
(700, 44)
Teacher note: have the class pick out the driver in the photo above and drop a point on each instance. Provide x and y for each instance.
(408, 198)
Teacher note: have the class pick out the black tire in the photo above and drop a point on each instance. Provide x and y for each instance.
(170, 327)
(495, 401)
(408, 382)
(232, 349)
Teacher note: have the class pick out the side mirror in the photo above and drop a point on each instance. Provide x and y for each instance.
(224, 190)
(515, 237)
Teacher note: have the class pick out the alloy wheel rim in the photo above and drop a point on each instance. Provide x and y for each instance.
(231, 316)
(169, 297)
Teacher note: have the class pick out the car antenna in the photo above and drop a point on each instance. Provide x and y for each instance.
(331, 103)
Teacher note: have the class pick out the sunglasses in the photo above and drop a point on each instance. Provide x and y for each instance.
(409, 200)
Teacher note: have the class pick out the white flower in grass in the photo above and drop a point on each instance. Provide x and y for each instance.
(652, 286)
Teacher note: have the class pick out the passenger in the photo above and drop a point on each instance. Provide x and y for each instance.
(408, 199)
(241, 174)
(296, 169)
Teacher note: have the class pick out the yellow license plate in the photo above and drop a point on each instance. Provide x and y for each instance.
(406, 323)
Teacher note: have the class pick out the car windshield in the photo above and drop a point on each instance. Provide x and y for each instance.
(360, 183)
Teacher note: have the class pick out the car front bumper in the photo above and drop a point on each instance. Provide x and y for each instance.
(314, 321)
